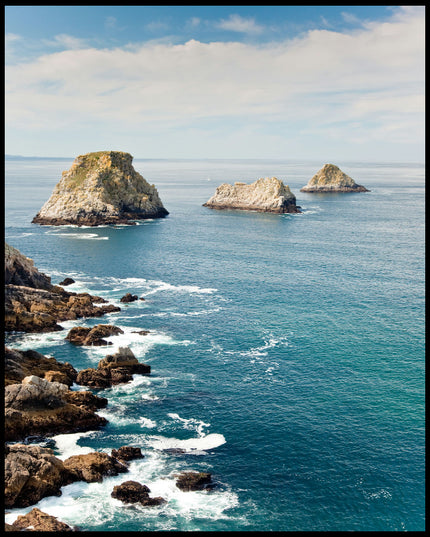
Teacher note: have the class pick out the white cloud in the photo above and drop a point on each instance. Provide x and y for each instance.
(236, 23)
(67, 41)
(110, 22)
(368, 84)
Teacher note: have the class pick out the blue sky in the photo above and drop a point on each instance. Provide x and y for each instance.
(318, 82)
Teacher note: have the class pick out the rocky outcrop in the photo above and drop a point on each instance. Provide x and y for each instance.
(20, 270)
(101, 188)
(332, 179)
(31, 473)
(39, 407)
(80, 335)
(134, 492)
(37, 520)
(114, 369)
(127, 453)
(193, 481)
(67, 281)
(267, 195)
(92, 467)
(20, 364)
(128, 297)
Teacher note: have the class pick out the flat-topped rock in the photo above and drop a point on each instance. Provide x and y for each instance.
(267, 194)
(332, 179)
(101, 188)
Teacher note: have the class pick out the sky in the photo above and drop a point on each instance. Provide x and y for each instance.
(324, 83)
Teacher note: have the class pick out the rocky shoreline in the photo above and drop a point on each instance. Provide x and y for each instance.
(39, 401)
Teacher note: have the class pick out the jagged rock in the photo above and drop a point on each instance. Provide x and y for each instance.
(92, 467)
(67, 281)
(332, 179)
(86, 400)
(128, 297)
(20, 364)
(267, 195)
(127, 453)
(37, 520)
(113, 369)
(38, 305)
(101, 188)
(20, 270)
(39, 407)
(134, 492)
(32, 473)
(80, 335)
(193, 481)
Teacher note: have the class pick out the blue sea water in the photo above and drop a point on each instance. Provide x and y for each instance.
(287, 351)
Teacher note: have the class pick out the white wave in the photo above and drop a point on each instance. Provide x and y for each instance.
(67, 444)
(192, 445)
(147, 423)
(191, 423)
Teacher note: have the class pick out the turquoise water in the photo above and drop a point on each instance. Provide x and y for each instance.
(287, 351)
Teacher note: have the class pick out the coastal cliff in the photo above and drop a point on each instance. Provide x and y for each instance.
(330, 178)
(101, 188)
(267, 194)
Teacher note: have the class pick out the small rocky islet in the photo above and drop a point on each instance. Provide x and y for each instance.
(100, 188)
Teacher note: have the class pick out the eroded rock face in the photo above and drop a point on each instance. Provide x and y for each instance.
(332, 179)
(19, 364)
(31, 473)
(20, 270)
(127, 453)
(37, 520)
(101, 188)
(267, 195)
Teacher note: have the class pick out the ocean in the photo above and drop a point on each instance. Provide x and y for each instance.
(286, 351)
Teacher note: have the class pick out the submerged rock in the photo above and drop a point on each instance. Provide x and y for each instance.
(134, 492)
(332, 179)
(101, 188)
(267, 195)
(193, 481)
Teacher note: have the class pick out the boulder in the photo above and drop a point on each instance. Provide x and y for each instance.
(101, 188)
(127, 453)
(80, 335)
(134, 492)
(193, 481)
(330, 178)
(267, 194)
(128, 297)
(37, 520)
(92, 467)
(67, 281)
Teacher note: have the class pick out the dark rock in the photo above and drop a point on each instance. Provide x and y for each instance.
(134, 492)
(193, 481)
(127, 453)
(80, 335)
(67, 281)
(128, 297)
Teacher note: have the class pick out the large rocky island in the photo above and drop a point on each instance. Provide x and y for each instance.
(267, 194)
(330, 178)
(101, 188)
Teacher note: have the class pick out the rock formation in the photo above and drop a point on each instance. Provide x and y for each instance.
(101, 188)
(127, 453)
(332, 179)
(92, 467)
(39, 407)
(267, 195)
(134, 492)
(193, 481)
(37, 520)
(114, 369)
(81, 335)
(33, 304)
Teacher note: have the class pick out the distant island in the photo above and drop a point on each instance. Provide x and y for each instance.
(267, 194)
(101, 188)
(330, 178)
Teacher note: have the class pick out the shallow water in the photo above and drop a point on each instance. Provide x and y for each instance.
(287, 351)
